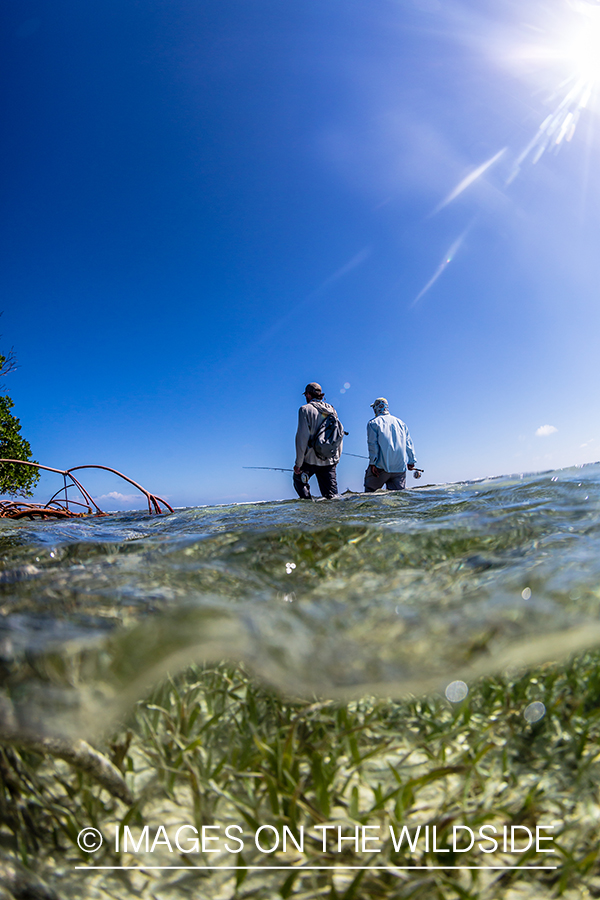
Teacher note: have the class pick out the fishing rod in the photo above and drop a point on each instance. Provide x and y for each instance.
(278, 469)
(416, 472)
(356, 455)
(303, 475)
(270, 468)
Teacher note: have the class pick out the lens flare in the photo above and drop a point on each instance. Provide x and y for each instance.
(576, 49)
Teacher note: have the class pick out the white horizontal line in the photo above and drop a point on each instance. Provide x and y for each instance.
(306, 868)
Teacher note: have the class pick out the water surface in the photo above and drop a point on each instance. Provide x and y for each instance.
(384, 593)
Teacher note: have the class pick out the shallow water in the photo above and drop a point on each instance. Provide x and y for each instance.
(384, 593)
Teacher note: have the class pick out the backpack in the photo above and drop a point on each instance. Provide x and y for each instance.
(328, 437)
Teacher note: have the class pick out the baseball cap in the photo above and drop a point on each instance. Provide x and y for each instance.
(313, 388)
(381, 401)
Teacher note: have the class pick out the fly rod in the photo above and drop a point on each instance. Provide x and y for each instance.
(278, 469)
(303, 475)
(270, 468)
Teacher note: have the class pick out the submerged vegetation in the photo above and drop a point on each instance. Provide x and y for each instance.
(214, 748)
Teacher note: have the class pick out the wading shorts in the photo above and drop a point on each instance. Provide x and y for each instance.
(394, 481)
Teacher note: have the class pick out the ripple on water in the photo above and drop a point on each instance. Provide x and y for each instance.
(388, 593)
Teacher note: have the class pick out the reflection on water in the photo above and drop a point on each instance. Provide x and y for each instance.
(385, 592)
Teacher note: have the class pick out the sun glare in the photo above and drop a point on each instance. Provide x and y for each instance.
(576, 48)
(584, 49)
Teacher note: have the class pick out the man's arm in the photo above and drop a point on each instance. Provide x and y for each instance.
(410, 451)
(373, 444)
(302, 437)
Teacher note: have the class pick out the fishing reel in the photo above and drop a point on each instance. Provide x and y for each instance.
(417, 472)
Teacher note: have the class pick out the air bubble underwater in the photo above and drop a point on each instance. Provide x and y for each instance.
(456, 691)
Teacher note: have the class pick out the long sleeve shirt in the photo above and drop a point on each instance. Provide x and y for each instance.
(390, 444)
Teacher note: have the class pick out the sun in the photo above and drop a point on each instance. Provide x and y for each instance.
(582, 48)
(573, 44)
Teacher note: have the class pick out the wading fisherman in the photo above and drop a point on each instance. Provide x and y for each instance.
(390, 447)
(318, 444)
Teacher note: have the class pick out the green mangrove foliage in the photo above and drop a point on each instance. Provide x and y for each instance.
(14, 480)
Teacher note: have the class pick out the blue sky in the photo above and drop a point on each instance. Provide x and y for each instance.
(208, 204)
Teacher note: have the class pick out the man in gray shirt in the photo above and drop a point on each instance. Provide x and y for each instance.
(308, 463)
(391, 450)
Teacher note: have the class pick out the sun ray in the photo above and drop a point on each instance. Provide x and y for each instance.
(468, 181)
(448, 257)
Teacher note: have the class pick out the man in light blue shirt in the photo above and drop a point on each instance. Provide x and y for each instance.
(391, 450)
